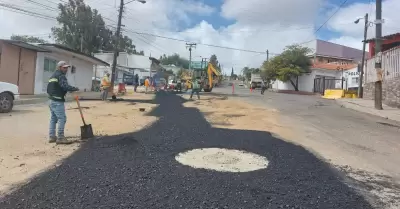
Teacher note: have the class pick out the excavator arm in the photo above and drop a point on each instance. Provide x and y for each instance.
(210, 72)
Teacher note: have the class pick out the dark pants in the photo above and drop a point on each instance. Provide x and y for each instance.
(263, 90)
(179, 86)
(197, 91)
(135, 88)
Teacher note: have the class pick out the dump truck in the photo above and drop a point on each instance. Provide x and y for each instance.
(255, 80)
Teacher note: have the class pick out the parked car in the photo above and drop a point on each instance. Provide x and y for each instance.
(8, 94)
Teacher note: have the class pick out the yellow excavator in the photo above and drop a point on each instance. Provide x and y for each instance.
(211, 79)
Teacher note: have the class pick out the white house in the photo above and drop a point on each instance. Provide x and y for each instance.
(331, 71)
(29, 66)
(352, 78)
(127, 66)
(79, 75)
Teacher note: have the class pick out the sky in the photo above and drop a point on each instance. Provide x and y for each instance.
(252, 25)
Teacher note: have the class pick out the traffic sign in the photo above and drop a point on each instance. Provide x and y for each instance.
(196, 65)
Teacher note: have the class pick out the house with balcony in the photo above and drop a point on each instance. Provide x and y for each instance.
(391, 70)
(330, 62)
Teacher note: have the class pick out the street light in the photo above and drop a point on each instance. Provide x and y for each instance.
(360, 80)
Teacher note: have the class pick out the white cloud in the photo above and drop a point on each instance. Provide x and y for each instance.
(352, 34)
(271, 11)
(260, 25)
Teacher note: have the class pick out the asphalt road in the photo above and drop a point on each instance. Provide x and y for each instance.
(371, 138)
(366, 147)
(139, 170)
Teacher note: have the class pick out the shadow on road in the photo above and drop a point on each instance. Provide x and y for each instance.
(139, 170)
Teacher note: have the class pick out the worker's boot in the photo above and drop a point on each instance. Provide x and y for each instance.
(52, 139)
(63, 140)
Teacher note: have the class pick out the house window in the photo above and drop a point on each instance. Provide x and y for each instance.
(73, 69)
(50, 65)
(354, 80)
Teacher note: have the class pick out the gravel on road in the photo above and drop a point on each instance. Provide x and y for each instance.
(139, 170)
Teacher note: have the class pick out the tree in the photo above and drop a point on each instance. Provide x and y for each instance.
(174, 59)
(80, 25)
(29, 39)
(214, 61)
(289, 65)
(246, 71)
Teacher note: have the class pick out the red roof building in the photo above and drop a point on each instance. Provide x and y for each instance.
(388, 42)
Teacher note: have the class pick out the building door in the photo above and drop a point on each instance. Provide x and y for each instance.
(26, 73)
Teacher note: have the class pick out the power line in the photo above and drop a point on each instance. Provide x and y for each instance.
(42, 5)
(330, 17)
(26, 12)
(210, 45)
(340, 7)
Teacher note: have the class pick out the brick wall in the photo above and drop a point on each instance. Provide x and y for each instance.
(390, 92)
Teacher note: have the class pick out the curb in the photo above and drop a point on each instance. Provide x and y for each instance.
(354, 107)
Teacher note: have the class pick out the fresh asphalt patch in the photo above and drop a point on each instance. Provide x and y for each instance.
(139, 170)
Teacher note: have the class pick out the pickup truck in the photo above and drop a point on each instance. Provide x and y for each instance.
(8, 94)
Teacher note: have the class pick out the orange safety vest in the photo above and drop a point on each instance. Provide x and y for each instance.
(146, 82)
(105, 82)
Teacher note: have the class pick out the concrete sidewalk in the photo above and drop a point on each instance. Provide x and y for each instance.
(367, 106)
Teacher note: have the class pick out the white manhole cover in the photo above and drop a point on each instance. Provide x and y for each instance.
(224, 160)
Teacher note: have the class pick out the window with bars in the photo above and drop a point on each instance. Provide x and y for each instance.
(50, 65)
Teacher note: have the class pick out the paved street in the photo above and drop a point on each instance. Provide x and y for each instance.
(364, 146)
(139, 170)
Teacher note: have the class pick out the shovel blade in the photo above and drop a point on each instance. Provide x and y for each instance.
(86, 131)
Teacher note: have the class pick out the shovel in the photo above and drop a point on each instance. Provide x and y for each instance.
(86, 129)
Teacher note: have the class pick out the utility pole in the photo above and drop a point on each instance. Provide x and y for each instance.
(117, 40)
(116, 47)
(190, 46)
(378, 56)
(267, 55)
(81, 43)
(361, 77)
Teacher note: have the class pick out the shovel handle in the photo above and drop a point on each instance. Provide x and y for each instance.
(80, 109)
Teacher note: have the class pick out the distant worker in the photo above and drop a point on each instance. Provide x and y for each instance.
(179, 85)
(146, 84)
(57, 89)
(136, 82)
(263, 87)
(105, 85)
(196, 88)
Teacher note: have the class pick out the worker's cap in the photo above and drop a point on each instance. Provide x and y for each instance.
(62, 64)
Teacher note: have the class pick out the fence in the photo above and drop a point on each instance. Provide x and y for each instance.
(390, 66)
(322, 83)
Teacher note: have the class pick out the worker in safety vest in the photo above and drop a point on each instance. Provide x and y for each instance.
(147, 84)
(196, 87)
(105, 85)
(57, 89)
